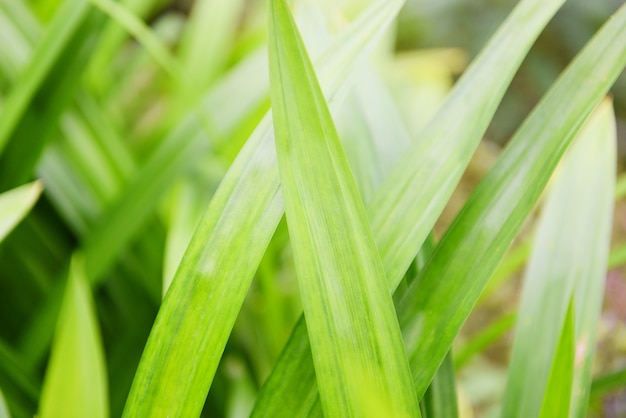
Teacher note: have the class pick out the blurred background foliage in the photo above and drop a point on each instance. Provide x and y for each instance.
(127, 104)
(468, 24)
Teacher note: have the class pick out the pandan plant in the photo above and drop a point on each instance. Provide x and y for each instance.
(239, 213)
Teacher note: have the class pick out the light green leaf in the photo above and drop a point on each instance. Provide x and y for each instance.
(372, 131)
(357, 348)
(556, 398)
(37, 98)
(402, 215)
(445, 292)
(179, 363)
(203, 61)
(142, 33)
(4, 409)
(221, 112)
(15, 204)
(571, 250)
(76, 383)
(112, 38)
(438, 158)
(600, 159)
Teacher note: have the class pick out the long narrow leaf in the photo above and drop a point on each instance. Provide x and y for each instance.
(440, 399)
(600, 160)
(402, 214)
(240, 220)
(356, 342)
(557, 396)
(202, 62)
(76, 382)
(60, 32)
(4, 410)
(569, 251)
(443, 295)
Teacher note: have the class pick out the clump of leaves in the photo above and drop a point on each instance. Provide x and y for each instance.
(166, 173)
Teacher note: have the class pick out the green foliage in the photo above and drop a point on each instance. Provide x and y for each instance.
(156, 275)
(341, 277)
(76, 384)
(15, 204)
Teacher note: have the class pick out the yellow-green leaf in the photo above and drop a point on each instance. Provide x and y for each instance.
(356, 343)
(213, 277)
(76, 385)
(556, 399)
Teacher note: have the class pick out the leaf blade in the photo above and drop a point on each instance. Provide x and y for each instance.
(569, 251)
(556, 400)
(76, 384)
(174, 348)
(356, 343)
(496, 209)
(410, 209)
(15, 204)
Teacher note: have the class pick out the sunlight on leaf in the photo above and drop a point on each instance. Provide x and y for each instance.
(15, 204)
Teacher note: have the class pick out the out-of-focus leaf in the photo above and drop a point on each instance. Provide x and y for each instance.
(4, 410)
(212, 277)
(18, 384)
(608, 382)
(142, 33)
(66, 22)
(373, 134)
(440, 400)
(112, 38)
(357, 349)
(202, 61)
(447, 289)
(76, 383)
(558, 392)
(571, 250)
(589, 290)
(479, 342)
(185, 144)
(15, 204)
(44, 96)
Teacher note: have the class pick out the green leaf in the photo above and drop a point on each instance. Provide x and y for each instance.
(438, 158)
(600, 159)
(556, 398)
(182, 147)
(60, 32)
(478, 343)
(401, 214)
(4, 410)
(112, 38)
(76, 384)
(569, 251)
(607, 383)
(15, 204)
(142, 33)
(440, 399)
(357, 347)
(202, 62)
(179, 363)
(447, 289)
(18, 384)
(372, 131)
